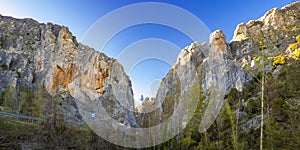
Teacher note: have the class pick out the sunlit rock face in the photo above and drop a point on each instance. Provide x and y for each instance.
(241, 33)
(32, 54)
(221, 63)
(210, 63)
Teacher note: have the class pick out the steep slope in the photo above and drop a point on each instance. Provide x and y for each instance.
(204, 79)
(222, 67)
(34, 54)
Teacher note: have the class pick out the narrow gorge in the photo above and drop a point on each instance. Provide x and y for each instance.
(209, 82)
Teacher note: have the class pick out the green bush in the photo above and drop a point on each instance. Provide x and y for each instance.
(4, 67)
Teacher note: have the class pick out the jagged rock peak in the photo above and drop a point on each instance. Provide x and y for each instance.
(186, 54)
(275, 18)
(217, 40)
(272, 18)
(240, 33)
(217, 45)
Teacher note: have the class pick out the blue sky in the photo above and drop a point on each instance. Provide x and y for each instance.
(80, 16)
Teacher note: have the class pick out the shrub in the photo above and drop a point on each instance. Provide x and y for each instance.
(256, 58)
(4, 67)
(278, 60)
(293, 46)
(298, 39)
(262, 47)
(296, 55)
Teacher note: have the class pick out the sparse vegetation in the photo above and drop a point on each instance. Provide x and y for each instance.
(278, 60)
(4, 66)
(54, 133)
(293, 46)
(264, 115)
(281, 123)
(297, 54)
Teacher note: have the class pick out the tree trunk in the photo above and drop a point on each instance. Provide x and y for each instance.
(262, 110)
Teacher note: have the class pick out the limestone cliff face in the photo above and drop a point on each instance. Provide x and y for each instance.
(32, 54)
(275, 30)
(223, 66)
(213, 66)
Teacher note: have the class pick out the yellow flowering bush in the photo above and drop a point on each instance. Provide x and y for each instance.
(293, 46)
(256, 58)
(298, 39)
(278, 60)
(296, 55)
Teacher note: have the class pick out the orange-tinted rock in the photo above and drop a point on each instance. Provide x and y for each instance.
(38, 63)
(218, 43)
(62, 77)
(241, 32)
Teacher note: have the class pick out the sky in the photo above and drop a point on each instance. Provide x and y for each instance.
(142, 40)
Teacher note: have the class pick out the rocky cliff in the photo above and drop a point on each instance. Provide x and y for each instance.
(34, 54)
(221, 67)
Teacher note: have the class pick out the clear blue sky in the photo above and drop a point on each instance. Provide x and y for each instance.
(79, 16)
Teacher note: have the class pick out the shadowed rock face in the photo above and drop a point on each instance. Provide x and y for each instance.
(32, 54)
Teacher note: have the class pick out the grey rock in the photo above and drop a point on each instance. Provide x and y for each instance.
(32, 54)
(240, 115)
(220, 64)
(253, 123)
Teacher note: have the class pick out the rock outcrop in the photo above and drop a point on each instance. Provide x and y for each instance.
(222, 66)
(33, 54)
